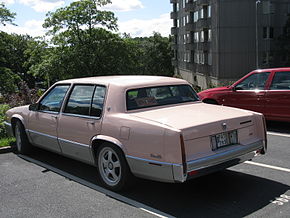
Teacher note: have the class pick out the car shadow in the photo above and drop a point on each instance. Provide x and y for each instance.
(223, 194)
(278, 127)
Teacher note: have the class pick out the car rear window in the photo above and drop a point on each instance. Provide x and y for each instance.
(161, 95)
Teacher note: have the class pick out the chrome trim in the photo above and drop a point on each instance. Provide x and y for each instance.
(8, 127)
(223, 156)
(39, 133)
(152, 161)
(150, 169)
(73, 142)
(76, 150)
(80, 116)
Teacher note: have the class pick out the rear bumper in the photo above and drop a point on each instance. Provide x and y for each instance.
(221, 160)
(169, 172)
(8, 128)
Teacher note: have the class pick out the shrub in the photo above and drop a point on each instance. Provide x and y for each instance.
(3, 109)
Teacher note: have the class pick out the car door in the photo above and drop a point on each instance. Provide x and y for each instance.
(81, 120)
(249, 93)
(278, 97)
(42, 125)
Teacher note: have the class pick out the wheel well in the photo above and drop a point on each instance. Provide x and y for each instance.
(210, 101)
(13, 123)
(98, 142)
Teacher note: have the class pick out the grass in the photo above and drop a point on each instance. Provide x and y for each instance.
(6, 142)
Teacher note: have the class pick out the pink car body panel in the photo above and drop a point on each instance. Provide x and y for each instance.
(150, 138)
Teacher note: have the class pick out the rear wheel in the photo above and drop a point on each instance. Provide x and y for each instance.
(22, 144)
(113, 169)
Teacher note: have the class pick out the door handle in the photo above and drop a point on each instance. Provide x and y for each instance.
(54, 116)
(91, 122)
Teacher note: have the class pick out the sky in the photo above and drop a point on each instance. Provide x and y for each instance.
(136, 17)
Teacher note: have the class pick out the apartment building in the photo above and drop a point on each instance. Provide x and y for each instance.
(218, 41)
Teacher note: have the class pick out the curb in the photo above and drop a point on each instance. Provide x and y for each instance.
(6, 149)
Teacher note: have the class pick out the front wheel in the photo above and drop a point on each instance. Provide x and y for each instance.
(113, 169)
(22, 144)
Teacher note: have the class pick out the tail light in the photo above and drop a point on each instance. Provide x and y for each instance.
(183, 157)
(264, 150)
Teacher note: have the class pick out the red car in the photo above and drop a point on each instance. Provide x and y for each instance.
(266, 91)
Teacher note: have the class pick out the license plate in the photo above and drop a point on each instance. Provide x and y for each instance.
(224, 139)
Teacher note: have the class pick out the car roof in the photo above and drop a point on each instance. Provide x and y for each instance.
(273, 69)
(126, 80)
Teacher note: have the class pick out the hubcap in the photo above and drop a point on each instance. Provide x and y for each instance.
(109, 166)
(18, 138)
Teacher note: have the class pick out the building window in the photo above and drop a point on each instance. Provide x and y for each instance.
(268, 32)
(268, 7)
(184, 39)
(187, 18)
(184, 20)
(209, 58)
(209, 35)
(183, 3)
(177, 6)
(196, 37)
(187, 38)
(202, 36)
(195, 16)
(199, 57)
(209, 11)
(201, 13)
(177, 23)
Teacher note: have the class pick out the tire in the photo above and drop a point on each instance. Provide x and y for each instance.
(210, 101)
(113, 168)
(22, 144)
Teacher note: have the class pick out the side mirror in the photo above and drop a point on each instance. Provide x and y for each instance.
(235, 88)
(33, 107)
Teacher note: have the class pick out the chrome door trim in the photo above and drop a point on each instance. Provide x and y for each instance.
(73, 142)
(43, 134)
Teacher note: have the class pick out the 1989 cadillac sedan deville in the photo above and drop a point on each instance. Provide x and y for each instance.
(148, 126)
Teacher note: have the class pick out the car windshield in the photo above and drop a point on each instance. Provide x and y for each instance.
(161, 95)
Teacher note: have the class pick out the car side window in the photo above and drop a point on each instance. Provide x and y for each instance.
(53, 100)
(98, 101)
(281, 81)
(79, 101)
(256, 81)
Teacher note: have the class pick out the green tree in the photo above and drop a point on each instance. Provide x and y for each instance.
(155, 55)
(6, 16)
(12, 60)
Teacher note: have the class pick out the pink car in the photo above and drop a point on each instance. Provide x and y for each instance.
(147, 126)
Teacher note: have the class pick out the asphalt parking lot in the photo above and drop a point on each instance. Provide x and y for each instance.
(44, 184)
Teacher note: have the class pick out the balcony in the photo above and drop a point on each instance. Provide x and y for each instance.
(173, 15)
(174, 30)
(203, 68)
(202, 2)
(203, 23)
(203, 46)
(190, 26)
(173, 1)
(190, 6)
(190, 46)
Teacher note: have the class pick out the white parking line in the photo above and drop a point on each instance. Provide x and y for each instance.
(268, 166)
(278, 134)
(109, 193)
